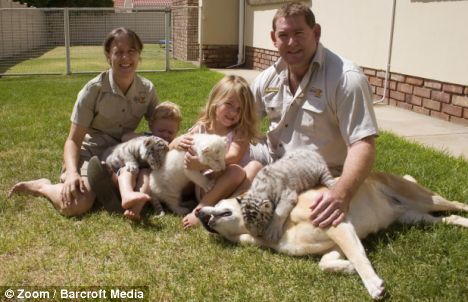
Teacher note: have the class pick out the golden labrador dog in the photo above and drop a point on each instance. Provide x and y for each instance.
(381, 200)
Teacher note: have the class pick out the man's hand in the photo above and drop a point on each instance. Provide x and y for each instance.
(328, 209)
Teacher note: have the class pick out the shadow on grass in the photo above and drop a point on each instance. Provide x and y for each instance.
(149, 221)
(392, 234)
(9, 62)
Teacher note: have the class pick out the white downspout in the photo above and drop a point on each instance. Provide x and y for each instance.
(200, 33)
(387, 72)
(128, 4)
(241, 50)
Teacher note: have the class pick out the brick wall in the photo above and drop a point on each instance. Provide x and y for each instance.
(258, 58)
(185, 30)
(219, 56)
(438, 99)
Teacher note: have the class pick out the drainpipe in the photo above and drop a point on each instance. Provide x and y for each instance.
(390, 43)
(240, 52)
(201, 28)
(128, 4)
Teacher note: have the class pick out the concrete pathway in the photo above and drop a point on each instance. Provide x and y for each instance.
(429, 131)
(432, 132)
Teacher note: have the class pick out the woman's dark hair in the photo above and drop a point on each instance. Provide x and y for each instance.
(136, 41)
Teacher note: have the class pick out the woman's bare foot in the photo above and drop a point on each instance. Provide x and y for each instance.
(133, 203)
(32, 187)
(190, 220)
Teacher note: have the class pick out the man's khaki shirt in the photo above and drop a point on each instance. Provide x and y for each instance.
(331, 109)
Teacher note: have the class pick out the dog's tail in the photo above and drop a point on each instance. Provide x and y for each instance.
(406, 191)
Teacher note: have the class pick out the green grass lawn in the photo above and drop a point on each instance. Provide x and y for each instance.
(91, 58)
(39, 247)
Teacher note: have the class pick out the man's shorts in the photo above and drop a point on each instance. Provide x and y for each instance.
(261, 153)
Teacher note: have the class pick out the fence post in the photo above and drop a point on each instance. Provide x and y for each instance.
(167, 18)
(66, 30)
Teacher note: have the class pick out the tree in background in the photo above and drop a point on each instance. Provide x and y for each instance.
(68, 3)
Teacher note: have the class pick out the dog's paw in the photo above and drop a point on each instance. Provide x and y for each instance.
(375, 287)
(159, 214)
(157, 206)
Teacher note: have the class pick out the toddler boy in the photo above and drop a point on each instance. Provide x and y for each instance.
(165, 123)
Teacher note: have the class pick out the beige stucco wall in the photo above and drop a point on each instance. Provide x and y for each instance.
(430, 37)
(220, 22)
(358, 30)
(258, 26)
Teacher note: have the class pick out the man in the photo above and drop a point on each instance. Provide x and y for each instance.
(315, 98)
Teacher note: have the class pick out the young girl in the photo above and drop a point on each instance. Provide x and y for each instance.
(108, 106)
(229, 112)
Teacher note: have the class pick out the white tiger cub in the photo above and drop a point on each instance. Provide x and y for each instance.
(274, 191)
(138, 152)
(168, 182)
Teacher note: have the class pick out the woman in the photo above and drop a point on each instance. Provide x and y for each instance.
(111, 104)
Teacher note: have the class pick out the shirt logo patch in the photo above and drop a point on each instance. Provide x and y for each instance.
(140, 98)
(271, 89)
(316, 91)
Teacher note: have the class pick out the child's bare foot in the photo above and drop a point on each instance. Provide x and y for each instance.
(134, 212)
(32, 187)
(133, 203)
(190, 220)
(132, 199)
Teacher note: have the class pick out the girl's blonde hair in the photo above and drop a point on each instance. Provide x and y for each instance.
(248, 126)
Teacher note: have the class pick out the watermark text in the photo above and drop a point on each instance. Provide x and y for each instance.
(122, 293)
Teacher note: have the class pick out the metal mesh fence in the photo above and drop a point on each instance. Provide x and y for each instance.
(64, 41)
